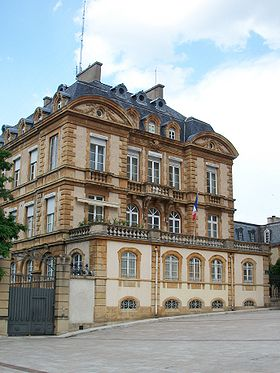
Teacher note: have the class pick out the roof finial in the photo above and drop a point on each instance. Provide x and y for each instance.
(82, 37)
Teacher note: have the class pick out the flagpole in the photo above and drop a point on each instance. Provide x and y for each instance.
(194, 214)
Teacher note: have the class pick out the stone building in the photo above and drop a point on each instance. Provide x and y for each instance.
(105, 181)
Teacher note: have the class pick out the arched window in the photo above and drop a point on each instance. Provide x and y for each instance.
(77, 264)
(249, 303)
(217, 270)
(50, 267)
(128, 304)
(128, 264)
(195, 269)
(171, 304)
(216, 304)
(266, 235)
(152, 127)
(132, 215)
(248, 269)
(171, 268)
(174, 222)
(153, 219)
(29, 269)
(172, 133)
(13, 272)
(195, 303)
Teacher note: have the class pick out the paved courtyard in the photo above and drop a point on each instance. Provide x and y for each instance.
(231, 342)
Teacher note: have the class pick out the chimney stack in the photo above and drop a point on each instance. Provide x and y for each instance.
(47, 100)
(91, 73)
(155, 92)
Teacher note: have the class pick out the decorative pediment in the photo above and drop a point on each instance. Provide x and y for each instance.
(100, 112)
(216, 143)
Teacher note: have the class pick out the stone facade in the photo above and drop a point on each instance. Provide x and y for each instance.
(111, 195)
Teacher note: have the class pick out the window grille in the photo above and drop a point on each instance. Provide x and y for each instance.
(128, 304)
(195, 303)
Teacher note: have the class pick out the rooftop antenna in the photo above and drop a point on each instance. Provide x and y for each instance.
(155, 75)
(82, 37)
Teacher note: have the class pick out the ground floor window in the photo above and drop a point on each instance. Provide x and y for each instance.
(216, 304)
(171, 304)
(128, 304)
(195, 303)
(249, 303)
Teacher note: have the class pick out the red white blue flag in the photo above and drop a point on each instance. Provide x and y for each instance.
(195, 207)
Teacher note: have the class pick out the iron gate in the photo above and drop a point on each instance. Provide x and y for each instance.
(31, 305)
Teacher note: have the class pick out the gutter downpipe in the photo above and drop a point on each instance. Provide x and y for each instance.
(156, 283)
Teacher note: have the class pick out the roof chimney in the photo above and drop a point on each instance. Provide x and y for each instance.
(155, 92)
(91, 73)
(47, 100)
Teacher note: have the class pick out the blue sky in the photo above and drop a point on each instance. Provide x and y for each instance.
(219, 61)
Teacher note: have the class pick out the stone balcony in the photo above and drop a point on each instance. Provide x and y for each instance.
(161, 238)
(152, 189)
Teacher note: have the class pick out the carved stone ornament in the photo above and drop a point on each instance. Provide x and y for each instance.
(215, 145)
(100, 111)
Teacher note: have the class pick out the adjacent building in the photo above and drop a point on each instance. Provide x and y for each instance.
(105, 181)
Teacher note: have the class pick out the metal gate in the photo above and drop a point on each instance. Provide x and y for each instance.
(31, 305)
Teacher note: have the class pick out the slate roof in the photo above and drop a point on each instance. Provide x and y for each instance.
(189, 126)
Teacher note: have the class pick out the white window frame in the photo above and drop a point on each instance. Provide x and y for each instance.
(97, 158)
(13, 272)
(153, 218)
(248, 272)
(128, 264)
(77, 262)
(174, 222)
(213, 226)
(16, 172)
(266, 236)
(195, 269)
(50, 267)
(171, 270)
(29, 269)
(172, 133)
(151, 127)
(50, 213)
(132, 215)
(30, 220)
(53, 152)
(95, 213)
(154, 167)
(174, 179)
(212, 178)
(217, 270)
(33, 154)
(131, 174)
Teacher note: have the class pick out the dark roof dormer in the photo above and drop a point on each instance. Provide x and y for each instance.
(159, 104)
(140, 97)
(120, 90)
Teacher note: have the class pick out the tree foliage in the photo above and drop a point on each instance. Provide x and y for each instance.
(9, 229)
(275, 268)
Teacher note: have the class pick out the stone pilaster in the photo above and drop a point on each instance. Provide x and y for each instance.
(4, 296)
(231, 282)
(266, 281)
(62, 294)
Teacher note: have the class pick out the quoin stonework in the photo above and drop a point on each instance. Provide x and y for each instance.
(105, 181)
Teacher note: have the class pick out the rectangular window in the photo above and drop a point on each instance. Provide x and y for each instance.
(95, 212)
(16, 172)
(252, 236)
(53, 152)
(30, 220)
(33, 164)
(174, 175)
(154, 171)
(213, 226)
(133, 167)
(97, 154)
(211, 180)
(50, 214)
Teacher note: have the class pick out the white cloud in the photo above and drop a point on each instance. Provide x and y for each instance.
(57, 5)
(239, 99)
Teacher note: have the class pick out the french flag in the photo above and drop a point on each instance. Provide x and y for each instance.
(195, 207)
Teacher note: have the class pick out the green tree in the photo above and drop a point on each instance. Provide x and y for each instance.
(275, 268)
(9, 229)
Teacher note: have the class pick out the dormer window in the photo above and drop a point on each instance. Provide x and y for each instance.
(59, 104)
(152, 127)
(172, 133)
(267, 237)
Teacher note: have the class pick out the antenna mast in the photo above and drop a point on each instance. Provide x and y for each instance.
(82, 37)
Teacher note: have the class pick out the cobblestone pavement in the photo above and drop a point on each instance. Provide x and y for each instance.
(220, 342)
